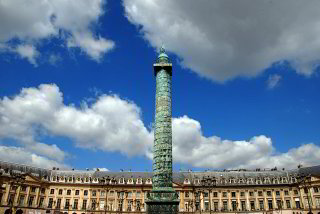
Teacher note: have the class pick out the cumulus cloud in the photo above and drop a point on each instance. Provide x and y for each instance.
(72, 21)
(225, 39)
(23, 156)
(110, 123)
(191, 147)
(273, 81)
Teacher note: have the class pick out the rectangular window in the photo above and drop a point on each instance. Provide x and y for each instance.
(277, 193)
(138, 194)
(21, 200)
(94, 193)
(43, 190)
(234, 205)
(215, 194)
(206, 206)
(69, 192)
(93, 204)
(295, 192)
(60, 192)
(286, 192)
(77, 192)
(58, 203)
(41, 202)
(298, 204)
(30, 201)
(233, 194)
(288, 204)
(33, 189)
(216, 206)
(315, 189)
(129, 194)
(75, 204)
(67, 204)
(261, 205)
(23, 188)
(85, 193)
(224, 194)
(260, 193)
(52, 191)
(206, 194)
(270, 204)
(11, 198)
(252, 205)
(279, 204)
(225, 205)
(102, 193)
(186, 194)
(111, 193)
(268, 193)
(251, 193)
(84, 204)
(50, 202)
(243, 206)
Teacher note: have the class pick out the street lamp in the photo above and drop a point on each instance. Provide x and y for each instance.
(305, 181)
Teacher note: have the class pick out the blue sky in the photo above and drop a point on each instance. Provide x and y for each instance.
(77, 85)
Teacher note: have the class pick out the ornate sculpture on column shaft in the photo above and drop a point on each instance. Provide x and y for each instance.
(162, 198)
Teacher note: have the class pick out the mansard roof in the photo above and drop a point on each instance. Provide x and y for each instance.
(178, 177)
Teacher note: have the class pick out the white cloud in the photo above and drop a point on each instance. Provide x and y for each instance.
(35, 20)
(54, 59)
(224, 39)
(20, 155)
(110, 123)
(191, 147)
(29, 52)
(273, 81)
(94, 47)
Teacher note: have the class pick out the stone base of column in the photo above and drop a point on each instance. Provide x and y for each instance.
(162, 202)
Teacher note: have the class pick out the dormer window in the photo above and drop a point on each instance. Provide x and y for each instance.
(121, 180)
(130, 181)
(54, 178)
(139, 181)
(293, 180)
(95, 179)
(87, 179)
(241, 181)
(186, 181)
(70, 179)
(148, 181)
(78, 179)
(267, 180)
(284, 180)
(197, 181)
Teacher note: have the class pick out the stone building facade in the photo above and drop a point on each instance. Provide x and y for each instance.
(87, 191)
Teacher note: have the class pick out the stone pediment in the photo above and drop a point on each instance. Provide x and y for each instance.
(32, 179)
